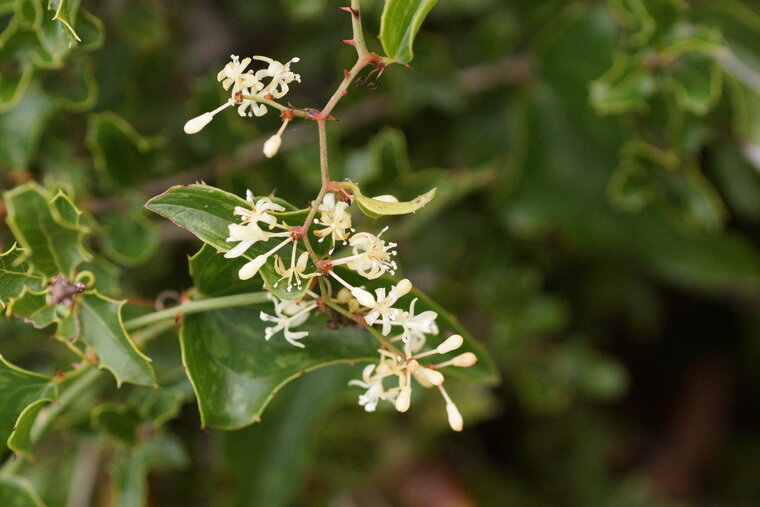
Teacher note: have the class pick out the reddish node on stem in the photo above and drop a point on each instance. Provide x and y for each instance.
(344, 92)
(346, 73)
(288, 114)
(335, 186)
(324, 266)
(296, 232)
(269, 96)
(354, 12)
(350, 42)
(59, 374)
(238, 97)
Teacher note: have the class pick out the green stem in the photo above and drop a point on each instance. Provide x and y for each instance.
(356, 25)
(277, 105)
(202, 305)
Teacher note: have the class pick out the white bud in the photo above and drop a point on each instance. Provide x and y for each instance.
(364, 297)
(196, 124)
(251, 268)
(455, 418)
(465, 360)
(385, 198)
(404, 399)
(453, 342)
(272, 146)
(403, 288)
(433, 377)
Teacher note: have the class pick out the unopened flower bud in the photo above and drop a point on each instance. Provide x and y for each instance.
(364, 297)
(196, 124)
(465, 360)
(251, 268)
(433, 377)
(272, 146)
(453, 342)
(404, 399)
(455, 418)
(403, 288)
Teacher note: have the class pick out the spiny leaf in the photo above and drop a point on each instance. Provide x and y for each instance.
(20, 440)
(15, 275)
(18, 389)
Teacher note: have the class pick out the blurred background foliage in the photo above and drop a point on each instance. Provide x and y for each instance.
(596, 227)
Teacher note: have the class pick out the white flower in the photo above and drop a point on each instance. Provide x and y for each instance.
(249, 107)
(280, 75)
(381, 305)
(296, 269)
(247, 235)
(337, 222)
(373, 380)
(371, 255)
(259, 212)
(233, 75)
(416, 327)
(288, 314)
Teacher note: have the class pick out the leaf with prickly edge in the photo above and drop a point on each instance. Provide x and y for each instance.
(118, 150)
(52, 244)
(34, 308)
(101, 327)
(65, 14)
(18, 389)
(375, 208)
(207, 212)
(17, 492)
(399, 24)
(15, 275)
(118, 421)
(21, 127)
(20, 439)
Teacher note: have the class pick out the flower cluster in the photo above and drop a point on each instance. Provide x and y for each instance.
(404, 332)
(251, 92)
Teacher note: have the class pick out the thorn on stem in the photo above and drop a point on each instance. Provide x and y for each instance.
(350, 42)
(354, 12)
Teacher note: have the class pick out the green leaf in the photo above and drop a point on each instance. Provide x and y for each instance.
(65, 13)
(235, 372)
(131, 467)
(118, 150)
(207, 212)
(18, 389)
(34, 308)
(375, 208)
(265, 460)
(17, 492)
(399, 24)
(21, 127)
(213, 275)
(52, 244)
(118, 421)
(625, 87)
(129, 239)
(101, 327)
(15, 275)
(20, 439)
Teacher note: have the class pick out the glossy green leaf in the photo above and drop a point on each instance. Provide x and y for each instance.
(399, 24)
(18, 389)
(15, 275)
(34, 308)
(52, 244)
(20, 439)
(213, 275)
(17, 492)
(101, 327)
(375, 208)
(207, 212)
(118, 421)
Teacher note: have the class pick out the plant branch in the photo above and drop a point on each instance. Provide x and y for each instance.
(201, 305)
(356, 25)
